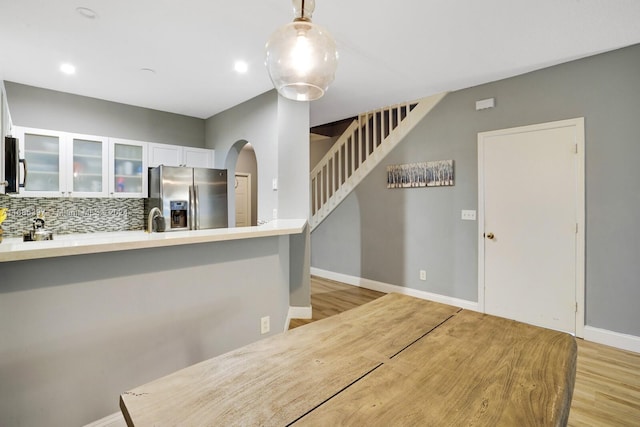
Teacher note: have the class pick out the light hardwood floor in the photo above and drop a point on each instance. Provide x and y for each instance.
(607, 390)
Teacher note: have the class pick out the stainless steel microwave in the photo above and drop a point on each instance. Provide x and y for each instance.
(12, 166)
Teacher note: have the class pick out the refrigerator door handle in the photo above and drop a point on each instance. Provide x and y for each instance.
(192, 207)
(196, 199)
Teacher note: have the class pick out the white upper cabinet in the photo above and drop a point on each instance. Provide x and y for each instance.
(63, 164)
(198, 157)
(176, 155)
(127, 168)
(45, 161)
(60, 164)
(164, 154)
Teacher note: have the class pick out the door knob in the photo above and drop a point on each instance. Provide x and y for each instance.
(490, 236)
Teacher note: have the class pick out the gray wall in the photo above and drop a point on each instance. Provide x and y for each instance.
(293, 192)
(293, 159)
(77, 331)
(47, 109)
(255, 122)
(278, 130)
(388, 235)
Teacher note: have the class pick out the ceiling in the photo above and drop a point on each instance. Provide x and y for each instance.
(390, 51)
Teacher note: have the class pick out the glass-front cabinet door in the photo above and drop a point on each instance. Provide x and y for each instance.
(128, 168)
(89, 160)
(44, 161)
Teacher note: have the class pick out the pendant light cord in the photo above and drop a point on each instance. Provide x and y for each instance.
(302, 12)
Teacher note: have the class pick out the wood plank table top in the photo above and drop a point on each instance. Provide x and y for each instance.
(397, 360)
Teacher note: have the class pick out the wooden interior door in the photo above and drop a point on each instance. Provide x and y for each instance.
(530, 206)
(243, 200)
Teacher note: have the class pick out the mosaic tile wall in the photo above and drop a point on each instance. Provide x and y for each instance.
(72, 215)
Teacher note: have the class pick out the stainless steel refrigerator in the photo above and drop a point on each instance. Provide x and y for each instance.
(189, 198)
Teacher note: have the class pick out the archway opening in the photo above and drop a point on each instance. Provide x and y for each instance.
(242, 167)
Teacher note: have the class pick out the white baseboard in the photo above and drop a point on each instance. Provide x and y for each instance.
(600, 336)
(387, 288)
(613, 339)
(300, 312)
(297, 313)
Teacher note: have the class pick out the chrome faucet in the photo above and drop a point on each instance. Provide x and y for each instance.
(153, 213)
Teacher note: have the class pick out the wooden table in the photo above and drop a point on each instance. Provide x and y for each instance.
(397, 360)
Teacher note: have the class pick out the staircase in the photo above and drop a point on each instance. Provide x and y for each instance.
(361, 147)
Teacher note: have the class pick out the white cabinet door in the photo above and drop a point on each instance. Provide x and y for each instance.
(198, 157)
(164, 154)
(127, 168)
(88, 175)
(177, 155)
(44, 154)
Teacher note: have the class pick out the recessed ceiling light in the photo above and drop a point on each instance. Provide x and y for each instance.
(86, 12)
(68, 69)
(241, 67)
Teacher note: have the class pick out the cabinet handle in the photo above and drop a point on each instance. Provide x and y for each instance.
(24, 179)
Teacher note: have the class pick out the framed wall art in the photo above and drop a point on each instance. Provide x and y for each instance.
(438, 173)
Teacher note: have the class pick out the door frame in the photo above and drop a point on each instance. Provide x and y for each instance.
(578, 124)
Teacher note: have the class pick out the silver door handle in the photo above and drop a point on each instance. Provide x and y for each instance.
(196, 192)
(192, 208)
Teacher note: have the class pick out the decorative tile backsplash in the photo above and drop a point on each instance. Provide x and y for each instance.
(72, 215)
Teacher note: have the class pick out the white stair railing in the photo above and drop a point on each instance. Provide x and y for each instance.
(362, 146)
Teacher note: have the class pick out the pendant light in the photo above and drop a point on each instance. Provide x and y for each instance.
(301, 57)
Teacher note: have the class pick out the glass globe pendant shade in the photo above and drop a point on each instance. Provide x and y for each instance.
(301, 59)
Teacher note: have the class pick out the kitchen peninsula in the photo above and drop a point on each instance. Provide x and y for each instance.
(14, 249)
(85, 317)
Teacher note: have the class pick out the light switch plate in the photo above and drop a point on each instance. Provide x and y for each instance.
(468, 215)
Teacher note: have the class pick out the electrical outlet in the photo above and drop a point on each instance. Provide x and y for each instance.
(275, 214)
(423, 275)
(265, 327)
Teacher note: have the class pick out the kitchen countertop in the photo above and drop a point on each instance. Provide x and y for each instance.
(14, 249)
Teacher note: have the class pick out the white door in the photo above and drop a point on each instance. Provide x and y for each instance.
(531, 200)
(243, 200)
